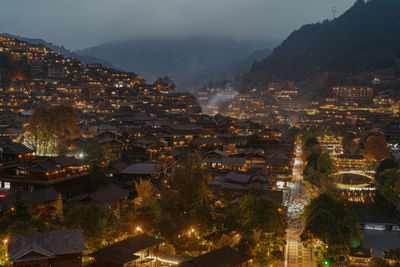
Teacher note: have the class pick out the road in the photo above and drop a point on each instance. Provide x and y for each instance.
(296, 255)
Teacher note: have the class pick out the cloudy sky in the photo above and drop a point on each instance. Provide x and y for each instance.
(82, 23)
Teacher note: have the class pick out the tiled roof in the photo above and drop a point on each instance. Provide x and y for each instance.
(223, 257)
(15, 148)
(39, 196)
(233, 162)
(360, 252)
(122, 252)
(237, 178)
(64, 161)
(140, 168)
(109, 195)
(48, 244)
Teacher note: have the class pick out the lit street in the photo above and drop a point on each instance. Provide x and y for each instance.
(295, 253)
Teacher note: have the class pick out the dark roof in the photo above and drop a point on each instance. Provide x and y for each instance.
(237, 178)
(109, 195)
(217, 152)
(108, 139)
(43, 166)
(15, 148)
(278, 161)
(64, 161)
(145, 142)
(360, 252)
(140, 169)
(234, 162)
(5, 139)
(108, 132)
(47, 244)
(51, 164)
(223, 257)
(122, 252)
(39, 196)
(118, 166)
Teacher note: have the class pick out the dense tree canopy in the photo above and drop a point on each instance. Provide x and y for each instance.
(318, 168)
(50, 128)
(99, 225)
(186, 202)
(331, 223)
(376, 148)
(93, 153)
(347, 44)
(349, 145)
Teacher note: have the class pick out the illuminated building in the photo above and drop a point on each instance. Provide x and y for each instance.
(353, 91)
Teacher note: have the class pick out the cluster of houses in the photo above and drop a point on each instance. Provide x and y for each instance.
(373, 107)
(145, 130)
(67, 247)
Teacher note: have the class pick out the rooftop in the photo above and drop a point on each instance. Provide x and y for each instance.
(46, 244)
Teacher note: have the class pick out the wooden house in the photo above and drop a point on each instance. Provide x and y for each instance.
(58, 248)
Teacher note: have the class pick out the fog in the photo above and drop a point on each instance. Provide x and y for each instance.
(82, 23)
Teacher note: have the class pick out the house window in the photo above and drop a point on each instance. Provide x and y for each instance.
(7, 185)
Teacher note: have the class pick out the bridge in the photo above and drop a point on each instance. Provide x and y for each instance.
(356, 187)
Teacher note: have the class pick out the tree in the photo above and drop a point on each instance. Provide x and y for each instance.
(310, 144)
(20, 221)
(145, 191)
(93, 152)
(389, 163)
(318, 169)
(259, 214)
(376, 148)
(185, 204)
(389, 179)
(99, 225)
(260, 223)
(50, 128)
(126, 156)
(349, 146)
(326, 81)
(331, 223)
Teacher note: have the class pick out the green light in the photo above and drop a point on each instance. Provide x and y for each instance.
(156, 236)
(356, 243)
(326, 262)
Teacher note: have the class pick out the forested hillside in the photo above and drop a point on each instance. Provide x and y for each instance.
(365, 38)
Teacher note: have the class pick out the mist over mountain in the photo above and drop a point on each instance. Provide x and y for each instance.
(61, 49)
(182, 59)
(365, 38)
(222, 75)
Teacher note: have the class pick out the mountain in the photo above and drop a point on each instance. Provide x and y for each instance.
(224, 74)
(61, 49)
(178, 58)
(365, 38)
